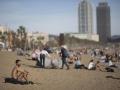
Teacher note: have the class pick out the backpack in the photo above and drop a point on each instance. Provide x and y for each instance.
(64, 53)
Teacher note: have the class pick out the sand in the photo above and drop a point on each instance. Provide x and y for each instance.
(57, 79)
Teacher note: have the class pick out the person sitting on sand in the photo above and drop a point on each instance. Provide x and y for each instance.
(34, 55)
(100, 66)
(103, 68)
(78, 64)
(110, 63)
(54, 60)
(18, 74)
(102, 58)
(91, 65)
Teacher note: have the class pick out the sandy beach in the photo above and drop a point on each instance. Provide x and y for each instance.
(57, 79)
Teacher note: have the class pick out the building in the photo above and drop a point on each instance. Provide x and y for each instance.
(103, 21)
(93, 37)
(3, 36)
(37, 37)
(85, 22)
(3, 29)
(85, 17)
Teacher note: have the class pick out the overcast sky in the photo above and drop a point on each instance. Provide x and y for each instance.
(51, 16)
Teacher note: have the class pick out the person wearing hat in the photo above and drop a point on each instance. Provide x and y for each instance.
(64, 56)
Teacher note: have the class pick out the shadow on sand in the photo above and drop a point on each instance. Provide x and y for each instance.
(112, 77)
(14, 81)
(31, 66)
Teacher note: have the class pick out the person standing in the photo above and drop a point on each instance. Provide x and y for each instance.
(64, 56)
(43, 54)
(38, 52)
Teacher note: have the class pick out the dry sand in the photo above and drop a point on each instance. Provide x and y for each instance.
(57, 79)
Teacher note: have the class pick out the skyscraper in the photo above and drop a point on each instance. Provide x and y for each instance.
(85, 16)
(103, 21)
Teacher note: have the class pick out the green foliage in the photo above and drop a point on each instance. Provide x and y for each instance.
(40, 38)
(0, 33)
(3, 36)
(22, 36)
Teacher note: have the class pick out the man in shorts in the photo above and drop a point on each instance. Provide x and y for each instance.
(18, 74)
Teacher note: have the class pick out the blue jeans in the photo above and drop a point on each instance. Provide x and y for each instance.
(64, 62)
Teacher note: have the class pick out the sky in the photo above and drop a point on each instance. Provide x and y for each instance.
(51, 16)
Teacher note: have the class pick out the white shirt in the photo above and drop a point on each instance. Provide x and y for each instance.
(110, 63)
(103, 57)
(37, 51)
(91, 65)
(44, 52)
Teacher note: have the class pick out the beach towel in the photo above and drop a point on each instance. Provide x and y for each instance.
(15, 81)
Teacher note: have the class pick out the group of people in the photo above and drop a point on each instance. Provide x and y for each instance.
(66, 57)
(40, 56)
(94, 65)
(104, 62)
(104, 59)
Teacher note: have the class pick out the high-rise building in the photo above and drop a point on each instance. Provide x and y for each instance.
(85, 16)
(103, 21)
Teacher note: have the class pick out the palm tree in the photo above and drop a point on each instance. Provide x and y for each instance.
(12, 39)
(32, 43)
(3, 37)
(22, 35)
(21, 32)
(39, 40)
(0, 33)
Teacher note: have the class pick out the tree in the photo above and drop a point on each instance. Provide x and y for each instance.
(39, 40)
(3, 37)
(61, 39)
(21, 32)
(22, 36)
(0, 36)
(12, 38)
(0, 33)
